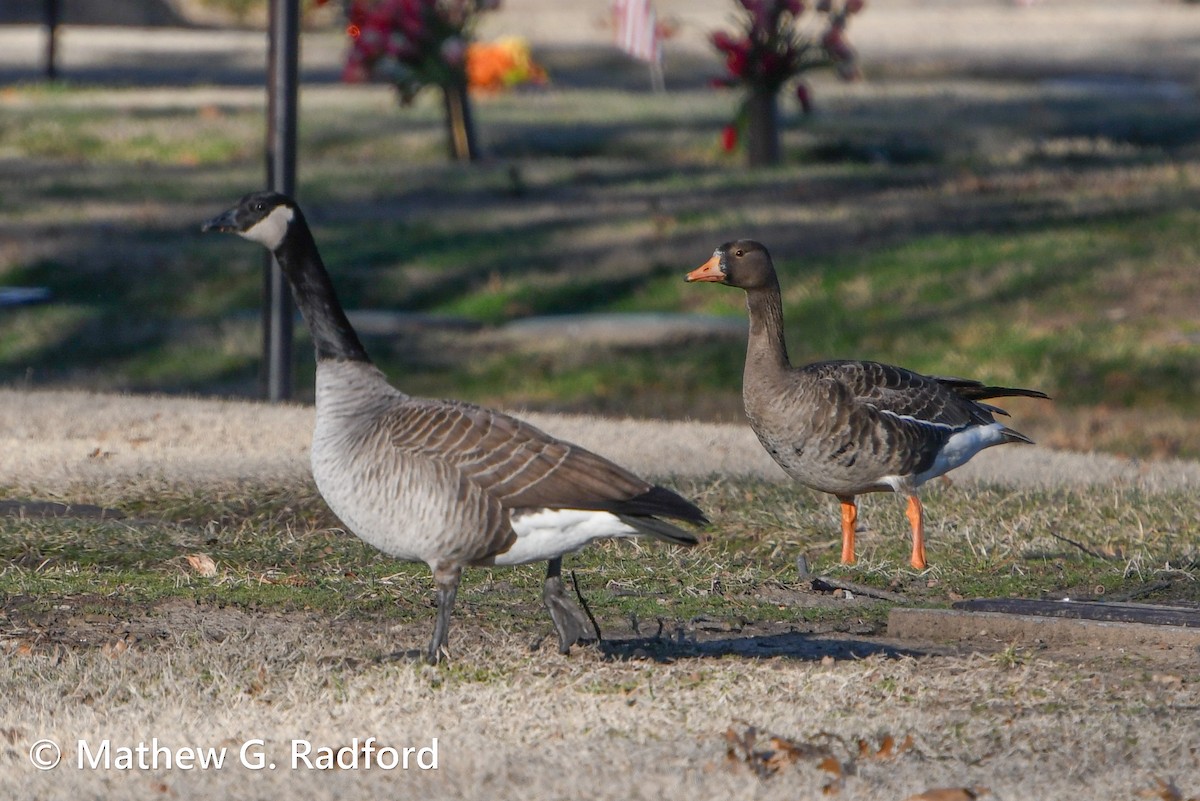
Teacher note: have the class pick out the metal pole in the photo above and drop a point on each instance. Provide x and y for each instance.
(51, 18)
(282, 78)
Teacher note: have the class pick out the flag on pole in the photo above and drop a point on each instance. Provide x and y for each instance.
(637, 29)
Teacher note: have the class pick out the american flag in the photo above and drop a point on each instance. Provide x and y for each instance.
(637, 29)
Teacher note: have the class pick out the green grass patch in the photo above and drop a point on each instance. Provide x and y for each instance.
(281, 549)
(1050, 250)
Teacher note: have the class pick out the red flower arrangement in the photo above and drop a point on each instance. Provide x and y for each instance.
(413, 43)
(419, 43)
(770, 48)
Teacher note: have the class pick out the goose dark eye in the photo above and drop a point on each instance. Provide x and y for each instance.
(260, 206)
(740, 253)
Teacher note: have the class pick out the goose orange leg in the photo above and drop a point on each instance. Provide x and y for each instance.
(916, 517)
(849, 520)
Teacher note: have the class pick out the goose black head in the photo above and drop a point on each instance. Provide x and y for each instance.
(262, 217)
(744, 263)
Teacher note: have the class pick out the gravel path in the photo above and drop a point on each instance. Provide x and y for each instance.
(53, 441)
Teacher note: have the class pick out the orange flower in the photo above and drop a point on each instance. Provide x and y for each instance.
(506, 62)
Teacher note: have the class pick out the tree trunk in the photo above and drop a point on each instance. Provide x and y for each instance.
(51, 18)
(762, 128)
(460, 128)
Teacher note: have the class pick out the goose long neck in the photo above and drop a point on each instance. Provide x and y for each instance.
(333, 336)
(766, 348)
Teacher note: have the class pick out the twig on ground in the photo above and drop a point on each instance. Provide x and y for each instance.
(587, 610)
(829, 584)
(1081, 547)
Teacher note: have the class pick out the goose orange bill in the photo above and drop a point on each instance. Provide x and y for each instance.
(709, 271)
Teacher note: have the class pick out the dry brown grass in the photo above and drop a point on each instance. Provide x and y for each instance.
(515, 724)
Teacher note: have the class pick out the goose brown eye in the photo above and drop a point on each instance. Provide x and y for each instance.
(740, 253)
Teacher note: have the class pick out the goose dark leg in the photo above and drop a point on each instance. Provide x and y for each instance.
(916, 518)
(569, 621)
(446, 579)
(849, 521)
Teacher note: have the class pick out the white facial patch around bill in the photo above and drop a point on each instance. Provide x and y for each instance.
(270, 230)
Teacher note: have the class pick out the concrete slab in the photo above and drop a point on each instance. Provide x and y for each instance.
(1113, 611)
(997, 628)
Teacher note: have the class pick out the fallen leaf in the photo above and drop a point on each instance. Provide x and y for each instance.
(1166, 678)
(1166, 791)
(768, 755)
(203, 564)
(292, 580)
(951, 794)
(114, 649)
(887, 748)
(831, 765)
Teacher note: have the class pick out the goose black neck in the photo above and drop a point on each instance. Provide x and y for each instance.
(333, 336)
(766, 344)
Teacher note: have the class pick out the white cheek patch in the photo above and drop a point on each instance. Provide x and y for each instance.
(270, 230)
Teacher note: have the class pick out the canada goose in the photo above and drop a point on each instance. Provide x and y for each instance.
(850, 427)
(442, 482)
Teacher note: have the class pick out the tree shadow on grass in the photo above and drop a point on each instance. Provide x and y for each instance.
(795, 645)
(497, 245)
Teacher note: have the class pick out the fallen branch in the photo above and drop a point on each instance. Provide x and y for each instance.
(587, 610)
(829, 584)
(1081, 547)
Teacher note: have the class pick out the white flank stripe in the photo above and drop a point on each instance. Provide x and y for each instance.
(933, 423)
(554, 532)
(637, 29)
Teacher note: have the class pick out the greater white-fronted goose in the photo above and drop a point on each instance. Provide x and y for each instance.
(850, 427)
(442, 482)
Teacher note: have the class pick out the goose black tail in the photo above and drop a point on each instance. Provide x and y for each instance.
(660, 530)
(661, 502)
(977, 391)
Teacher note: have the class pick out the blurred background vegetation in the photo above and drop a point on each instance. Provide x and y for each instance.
(1022, 221)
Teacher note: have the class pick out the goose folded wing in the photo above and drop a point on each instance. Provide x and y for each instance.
(904, 393)
(522, 466)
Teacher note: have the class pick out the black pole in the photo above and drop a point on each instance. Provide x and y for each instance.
(51, 18)
(282, 78)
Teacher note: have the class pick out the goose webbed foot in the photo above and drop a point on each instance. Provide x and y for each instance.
(570, 622)
(446, 580)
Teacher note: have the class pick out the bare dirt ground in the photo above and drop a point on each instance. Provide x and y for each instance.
(646, 715)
